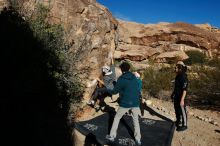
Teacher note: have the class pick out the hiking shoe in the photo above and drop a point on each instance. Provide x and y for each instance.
(102, 108)
(97, 108)
(182, 128)
(138, 142)
(110, 138)
(177, 124)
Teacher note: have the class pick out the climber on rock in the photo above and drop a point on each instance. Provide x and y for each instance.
(108, 81)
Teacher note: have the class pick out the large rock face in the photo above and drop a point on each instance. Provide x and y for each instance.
(94, 34)
(3, 4)
(90, 29)
(165, 41)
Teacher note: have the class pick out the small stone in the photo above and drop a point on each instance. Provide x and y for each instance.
(212, 122)
(209, 119)
(215, 123)
(172, 118)
(206, 120)
(148, 102)
(191, 113)
(200, 118)
(203, 119)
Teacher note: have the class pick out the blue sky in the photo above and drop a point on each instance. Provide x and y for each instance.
(154, 11)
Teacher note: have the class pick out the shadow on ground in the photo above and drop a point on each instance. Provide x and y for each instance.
(29, 104)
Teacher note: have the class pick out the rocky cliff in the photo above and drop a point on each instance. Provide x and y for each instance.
(94, 34)
(90, 30)
(3, 4)
(165, 41)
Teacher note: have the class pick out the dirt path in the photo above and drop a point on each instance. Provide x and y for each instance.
(200, 132)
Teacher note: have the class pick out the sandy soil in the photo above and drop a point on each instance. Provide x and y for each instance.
(199, 132)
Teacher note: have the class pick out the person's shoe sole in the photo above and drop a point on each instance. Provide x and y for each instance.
(181, 129)
(110, 139)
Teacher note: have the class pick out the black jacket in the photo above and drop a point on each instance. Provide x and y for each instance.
(181, 84)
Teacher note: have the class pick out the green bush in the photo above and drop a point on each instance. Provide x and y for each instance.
(155, 80)
(207, 82)
(57, 60)
(195, 57)
(214, 62)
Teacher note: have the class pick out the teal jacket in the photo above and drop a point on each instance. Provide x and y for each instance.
(128, 88)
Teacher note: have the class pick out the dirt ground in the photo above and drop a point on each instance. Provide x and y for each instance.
(199, 132)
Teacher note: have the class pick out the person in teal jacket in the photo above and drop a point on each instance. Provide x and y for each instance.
(128, 88)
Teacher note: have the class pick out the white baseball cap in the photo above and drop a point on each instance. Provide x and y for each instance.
(107, 70)
(180, 63)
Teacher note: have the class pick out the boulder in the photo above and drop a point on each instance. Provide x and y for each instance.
(174, 55)
(150, 40)
(90, 31)
(3, 4)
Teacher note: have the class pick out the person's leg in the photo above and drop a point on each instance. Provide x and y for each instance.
(137, 133)
(120, 112)
(99, 92)
(177, 113)
(184, 119)
(141, 106)
(92, 99)
(102, 93)
(95, 95)
(184, 115)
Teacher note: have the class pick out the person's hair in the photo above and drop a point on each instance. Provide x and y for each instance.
(181, 67)
(125, 67)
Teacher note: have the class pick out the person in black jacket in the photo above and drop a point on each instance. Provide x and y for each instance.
(179, 95)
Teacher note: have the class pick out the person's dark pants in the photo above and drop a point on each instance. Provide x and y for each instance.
(100, 93)
(141, 106)
(181, 114)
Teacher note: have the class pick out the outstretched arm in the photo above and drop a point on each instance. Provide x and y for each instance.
(111, 57)
(117, 88)
(182, 98)
(184, 84)
(112, 61)
(100, 81)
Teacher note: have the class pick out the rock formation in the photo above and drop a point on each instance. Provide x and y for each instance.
(3, 4)
(165, 41)
(90, 29)
(94, 34)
